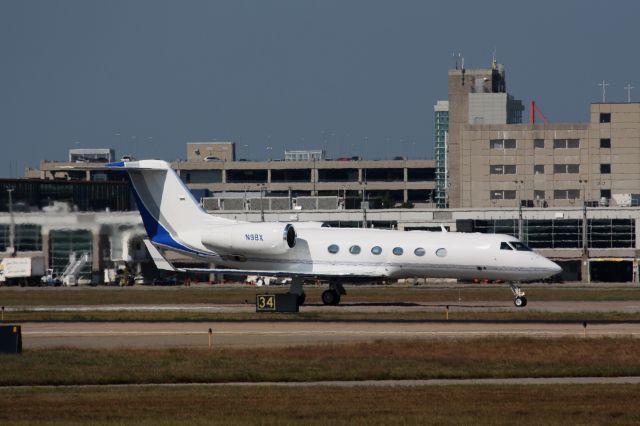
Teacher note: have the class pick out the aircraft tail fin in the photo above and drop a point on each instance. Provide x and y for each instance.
(166, 205)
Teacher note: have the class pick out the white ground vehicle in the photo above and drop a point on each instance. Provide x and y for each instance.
(21, 270)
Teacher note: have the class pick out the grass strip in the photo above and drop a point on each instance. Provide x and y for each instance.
(380, 360)
(441, 405)
(455, 314)
(225, 294)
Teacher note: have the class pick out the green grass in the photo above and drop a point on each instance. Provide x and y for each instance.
(437, 405)
(20, 301)
(238, 294)
(319, 405)
(385, 359)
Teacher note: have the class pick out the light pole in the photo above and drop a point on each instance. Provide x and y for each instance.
(518, 197)
(585, 270)
(261, 202)
(244, 204)
(12, 226)
(583, 183)
(364, 201)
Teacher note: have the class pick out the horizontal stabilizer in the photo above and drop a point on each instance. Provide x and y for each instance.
(161, 262)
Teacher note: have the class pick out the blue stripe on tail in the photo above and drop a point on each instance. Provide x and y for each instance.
(156, 232)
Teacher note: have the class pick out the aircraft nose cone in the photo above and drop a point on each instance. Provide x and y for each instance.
(554, 267)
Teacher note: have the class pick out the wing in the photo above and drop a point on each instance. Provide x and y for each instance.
(163, 264)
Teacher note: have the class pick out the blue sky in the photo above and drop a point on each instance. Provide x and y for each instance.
(357, 77)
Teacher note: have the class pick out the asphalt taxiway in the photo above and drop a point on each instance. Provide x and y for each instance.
(471, 306)
(263, 334)
(283, 333)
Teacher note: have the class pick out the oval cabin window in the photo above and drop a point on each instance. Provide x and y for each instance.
(333, 249)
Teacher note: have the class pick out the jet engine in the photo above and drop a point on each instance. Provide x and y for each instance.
(267, 238)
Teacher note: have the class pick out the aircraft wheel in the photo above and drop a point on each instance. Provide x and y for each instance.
(330, 297)
(520, 302)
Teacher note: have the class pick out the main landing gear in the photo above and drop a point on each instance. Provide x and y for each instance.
(332, 295)
(520, 301)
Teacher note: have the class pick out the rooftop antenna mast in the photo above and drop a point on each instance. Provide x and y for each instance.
(461, 58)
(604, 90)
(628, 88)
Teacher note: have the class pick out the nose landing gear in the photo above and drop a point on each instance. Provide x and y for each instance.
(520, 301)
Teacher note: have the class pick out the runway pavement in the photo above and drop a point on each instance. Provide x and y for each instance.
(283, 333)
(261, 334)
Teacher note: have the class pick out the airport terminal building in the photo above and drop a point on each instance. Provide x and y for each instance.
(568, 190)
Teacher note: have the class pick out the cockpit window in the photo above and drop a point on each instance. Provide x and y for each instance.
(519, 246)
(505, 246)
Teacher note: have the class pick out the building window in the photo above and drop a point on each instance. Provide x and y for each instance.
(538, 195)
(376, 250)
(566, 194)
(538, 143)
(538, 169)
(333, 249)
(566, 168)
(501, 194)
(605, 117)
(28, 237)
(354, 249)
(605, 169)
(605, 193)
(605, 143)
(419, 252)
(566, 143)
(502, 169)
(502, 143)
(397, 251)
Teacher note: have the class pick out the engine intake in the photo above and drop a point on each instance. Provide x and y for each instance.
(268, 237)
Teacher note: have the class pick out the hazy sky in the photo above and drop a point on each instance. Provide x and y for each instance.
(358, 77)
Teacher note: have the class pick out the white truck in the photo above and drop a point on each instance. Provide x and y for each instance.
(21, 270)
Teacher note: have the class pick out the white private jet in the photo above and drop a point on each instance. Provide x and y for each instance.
(175, 221)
